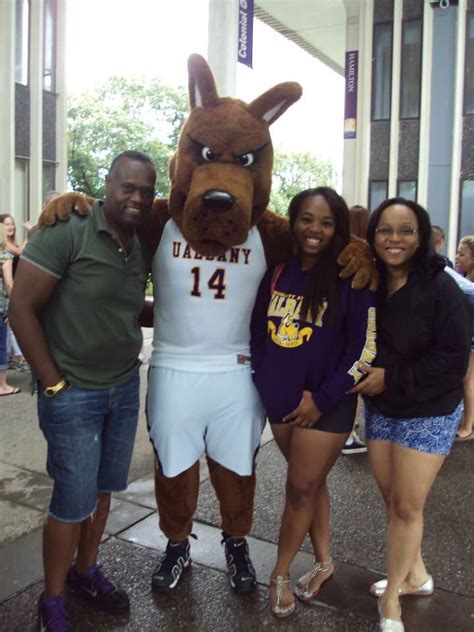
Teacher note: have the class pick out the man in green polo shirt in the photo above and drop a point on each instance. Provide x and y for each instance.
(75, 308)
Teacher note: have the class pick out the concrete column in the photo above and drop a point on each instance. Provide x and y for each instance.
(61, 98)
(442, 113)
(425, 106)
(36, 101)
(453, 219)
(222, 44)
(7, 106)
(364, 100)
(395, 103)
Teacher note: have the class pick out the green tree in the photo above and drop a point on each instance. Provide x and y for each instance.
(122, 114)
(293, 172)
(126, 113)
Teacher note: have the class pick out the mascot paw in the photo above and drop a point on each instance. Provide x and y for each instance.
(62, 207)
(357, 260)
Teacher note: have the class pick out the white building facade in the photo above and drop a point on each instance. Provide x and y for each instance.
(33, 157)
(409, 124)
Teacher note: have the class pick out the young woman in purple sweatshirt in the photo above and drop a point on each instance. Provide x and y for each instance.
(310, 330)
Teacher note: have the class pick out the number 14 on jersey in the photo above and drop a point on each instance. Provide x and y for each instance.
(216, 282)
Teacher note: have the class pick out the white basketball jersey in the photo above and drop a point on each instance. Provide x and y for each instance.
(203, 304)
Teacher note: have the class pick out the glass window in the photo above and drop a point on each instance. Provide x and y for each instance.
(407, 189)
(382, 72)
(411, 70)
(22, 18)
(49, 177)
(49, 47)
(378, 191)
(466, 224)
(469, 78)
(21, 194)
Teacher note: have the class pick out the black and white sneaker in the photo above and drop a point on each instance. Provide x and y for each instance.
(354, 445)
(174, 562)
(241, 571)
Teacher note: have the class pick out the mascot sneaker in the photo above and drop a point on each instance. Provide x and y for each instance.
(95, 588)
(52, 615)
(174, 562)
(241, 571)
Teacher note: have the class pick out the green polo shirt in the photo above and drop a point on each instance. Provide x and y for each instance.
(91, 320)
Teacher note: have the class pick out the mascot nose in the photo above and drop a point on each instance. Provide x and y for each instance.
(219, 201)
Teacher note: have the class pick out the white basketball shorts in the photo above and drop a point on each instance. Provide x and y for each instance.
(189, 414)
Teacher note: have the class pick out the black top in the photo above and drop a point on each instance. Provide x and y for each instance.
(423, 342)
(447, 261)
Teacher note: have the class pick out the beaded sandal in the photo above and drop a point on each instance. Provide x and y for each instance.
(277, 584)
(302, 590)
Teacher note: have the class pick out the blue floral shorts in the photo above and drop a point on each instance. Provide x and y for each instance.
(426, 434)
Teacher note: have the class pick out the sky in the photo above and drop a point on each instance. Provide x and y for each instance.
(153, 38)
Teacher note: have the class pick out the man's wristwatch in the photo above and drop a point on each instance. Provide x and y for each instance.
(51, 391)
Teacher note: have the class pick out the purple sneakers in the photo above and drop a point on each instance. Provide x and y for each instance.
(52, 615)
(95, 588)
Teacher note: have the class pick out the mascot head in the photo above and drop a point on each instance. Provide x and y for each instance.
(221, 172)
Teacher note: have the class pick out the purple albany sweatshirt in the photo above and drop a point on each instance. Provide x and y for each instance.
(290, 355)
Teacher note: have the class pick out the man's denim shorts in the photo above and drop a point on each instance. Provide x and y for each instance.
(90, 436)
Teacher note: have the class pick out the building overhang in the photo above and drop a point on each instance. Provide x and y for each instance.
(317, 26)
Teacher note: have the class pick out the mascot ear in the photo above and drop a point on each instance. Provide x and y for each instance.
(271, 104)
(202, 88)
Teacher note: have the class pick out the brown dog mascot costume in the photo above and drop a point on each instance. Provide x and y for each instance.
(212, 242)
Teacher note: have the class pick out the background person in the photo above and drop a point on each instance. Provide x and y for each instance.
(309, 329)
(465, 266)
(13, 246)
(414, 391)
(6, 284)
(465, 257)
(358, 222)
(16, 359)
(439, 240)
(50, 195)
(87, 367)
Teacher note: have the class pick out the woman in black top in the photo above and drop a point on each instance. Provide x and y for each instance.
(413, 391)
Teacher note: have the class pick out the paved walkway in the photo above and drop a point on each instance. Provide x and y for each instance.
(204, 601)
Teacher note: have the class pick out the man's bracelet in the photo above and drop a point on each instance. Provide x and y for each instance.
(51, 391)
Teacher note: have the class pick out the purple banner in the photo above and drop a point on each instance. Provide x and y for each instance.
(350, 107)
(245, 43)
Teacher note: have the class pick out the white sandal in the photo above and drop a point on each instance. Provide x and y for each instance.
(302, 585)
(424, 590)
(390, 625)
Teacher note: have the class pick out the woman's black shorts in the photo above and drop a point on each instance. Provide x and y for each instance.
(339, 419)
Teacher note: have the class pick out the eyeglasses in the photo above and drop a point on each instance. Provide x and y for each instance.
(387, 231)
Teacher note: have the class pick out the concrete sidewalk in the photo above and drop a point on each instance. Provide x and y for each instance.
(204, 600)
